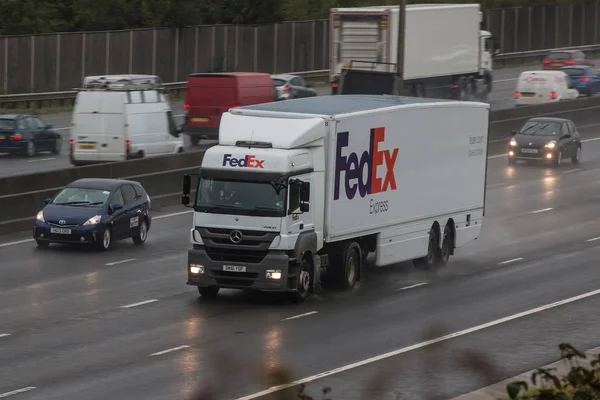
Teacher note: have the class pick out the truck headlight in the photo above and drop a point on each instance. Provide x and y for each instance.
(94, 220)
(513, 142)
(196, 269)
(273, 274)
(551, 145)
(40, 216)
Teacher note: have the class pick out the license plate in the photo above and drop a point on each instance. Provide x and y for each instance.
(234, 268)
(199, 119)
(2, 137)
(60, 231)
(87, 146)
(528, 94)
(534, 151)
(557, 65)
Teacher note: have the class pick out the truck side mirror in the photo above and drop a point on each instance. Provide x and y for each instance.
(304, 207)
(304, 192)
(185, 199)
(187, 184)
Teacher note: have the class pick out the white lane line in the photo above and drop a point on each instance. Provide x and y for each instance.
(590, 140)
(510, 261)
(159, 353)
(41, 159)
(505, 80)
(497, 156)
(572, 170)
(6, 244)
(593, 239)
(421, 345)
(412, 286)
(141, 303)
(121, 261)
(542, 210)
(300, 315)
(4, 335)
(496, 185)
(27, 389)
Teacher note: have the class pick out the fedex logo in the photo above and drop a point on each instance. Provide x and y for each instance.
(249, 161)
(353, 167)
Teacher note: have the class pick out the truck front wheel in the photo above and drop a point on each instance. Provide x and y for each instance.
(304, 282)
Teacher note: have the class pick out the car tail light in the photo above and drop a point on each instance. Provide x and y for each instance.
(186, 106)
(553, 95)
(570, 62)
(127, 147)
(16, 136)
(287, 89)
(71, 145)
(335, 85)
(586, 79)
(517, 95)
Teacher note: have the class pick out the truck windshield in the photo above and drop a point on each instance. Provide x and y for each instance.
(256, 198)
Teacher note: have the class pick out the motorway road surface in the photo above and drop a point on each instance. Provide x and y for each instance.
(501, 97)
(122, 324)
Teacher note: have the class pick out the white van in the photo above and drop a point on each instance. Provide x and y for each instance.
(122, 117)
(538, 87)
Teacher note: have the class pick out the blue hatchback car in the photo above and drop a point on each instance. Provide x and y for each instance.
(584, 77)
(95, 211)
(27, 135)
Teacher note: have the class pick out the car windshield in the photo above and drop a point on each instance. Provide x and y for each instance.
(278, 82)
(256, 198)
(7, 125)
(540, 128)
(574, 71)
(73, 196)
(558, 56)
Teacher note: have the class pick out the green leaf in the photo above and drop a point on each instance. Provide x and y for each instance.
(514, 389)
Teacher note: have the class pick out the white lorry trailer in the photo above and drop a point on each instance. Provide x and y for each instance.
(446, 55)
(299, 192)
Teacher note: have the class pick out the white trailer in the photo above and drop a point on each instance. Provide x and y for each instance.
(446, 55)
(317, 184)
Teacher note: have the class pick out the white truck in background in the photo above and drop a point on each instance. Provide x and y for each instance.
(446, 55)
(299, 192)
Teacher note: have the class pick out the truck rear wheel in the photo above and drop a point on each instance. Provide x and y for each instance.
(208, 292)
(447, 246)
(432, 258)
(351, 264)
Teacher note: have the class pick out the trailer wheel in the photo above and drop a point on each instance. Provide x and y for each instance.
(447, 246)
(432, 258)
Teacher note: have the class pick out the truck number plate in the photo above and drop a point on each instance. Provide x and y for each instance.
(234, 268)
(533, 151)
(60, 231)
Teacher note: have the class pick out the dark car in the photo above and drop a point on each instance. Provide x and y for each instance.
(545, 139)
(585, 79)
(28, 135)
(95, 211)
(560, 58)
(291, 87)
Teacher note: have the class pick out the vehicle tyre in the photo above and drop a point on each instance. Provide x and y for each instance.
(194, 140)
(512, 161)
(351, 263)
(431, 260)
(57, 146)
(576, 159)
(42, 243)
(208, 292)
(304, 283)
(558, 159)
(180, 150)
(142, 234)
(106, 240)
(447, 246)
(30, 150)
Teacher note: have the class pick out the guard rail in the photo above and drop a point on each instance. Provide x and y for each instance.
(35, 100)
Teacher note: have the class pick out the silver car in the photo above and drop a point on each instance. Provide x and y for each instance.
(291, 87)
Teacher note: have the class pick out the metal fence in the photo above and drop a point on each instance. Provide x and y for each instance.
(58, 62)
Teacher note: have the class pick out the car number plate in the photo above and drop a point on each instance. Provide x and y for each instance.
(60, 231)
(557, 64)
(528, 94)
(2, 137)
(199, 119)
(534, 151)
(234, 268)
(87, 146)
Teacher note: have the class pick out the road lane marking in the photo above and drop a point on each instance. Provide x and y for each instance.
(497, 156)
(572, 170)
(41, 159)
(4, 335)
(590, 140)
(159, 353)
(505, 80)
(300, 315)
(27, 389)
(141, 303)
(412, 286)
(593, 239)
(510, 261)
(496, 185)
(121, 261)
(542, 210)
(173, 214)
(416, 346)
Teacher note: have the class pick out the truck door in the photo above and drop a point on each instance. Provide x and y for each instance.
(298, 221)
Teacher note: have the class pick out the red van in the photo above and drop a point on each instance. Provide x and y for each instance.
(209, 95)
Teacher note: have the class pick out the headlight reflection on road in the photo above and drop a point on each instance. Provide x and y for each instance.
(272, 344)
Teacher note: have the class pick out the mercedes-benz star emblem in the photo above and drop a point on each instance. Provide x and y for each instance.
(62, 222)
(235, 236)
(530, 143)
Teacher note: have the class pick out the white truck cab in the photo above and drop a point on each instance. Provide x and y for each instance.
(122, 117)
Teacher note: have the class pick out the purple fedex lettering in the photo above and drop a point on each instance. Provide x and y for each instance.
(353, 167)
(248, 161)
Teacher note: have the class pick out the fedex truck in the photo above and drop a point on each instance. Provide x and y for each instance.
(298, 193)
(446, 54)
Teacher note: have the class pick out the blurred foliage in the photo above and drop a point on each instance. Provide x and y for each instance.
(24, 17)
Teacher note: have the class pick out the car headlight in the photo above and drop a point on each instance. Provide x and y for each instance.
(551, 145)
(40, 216)
(513, 142)
(94, 220)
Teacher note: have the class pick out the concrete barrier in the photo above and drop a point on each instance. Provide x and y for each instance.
(21, 196)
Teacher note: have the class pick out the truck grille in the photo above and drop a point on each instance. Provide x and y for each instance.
(252, 248)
